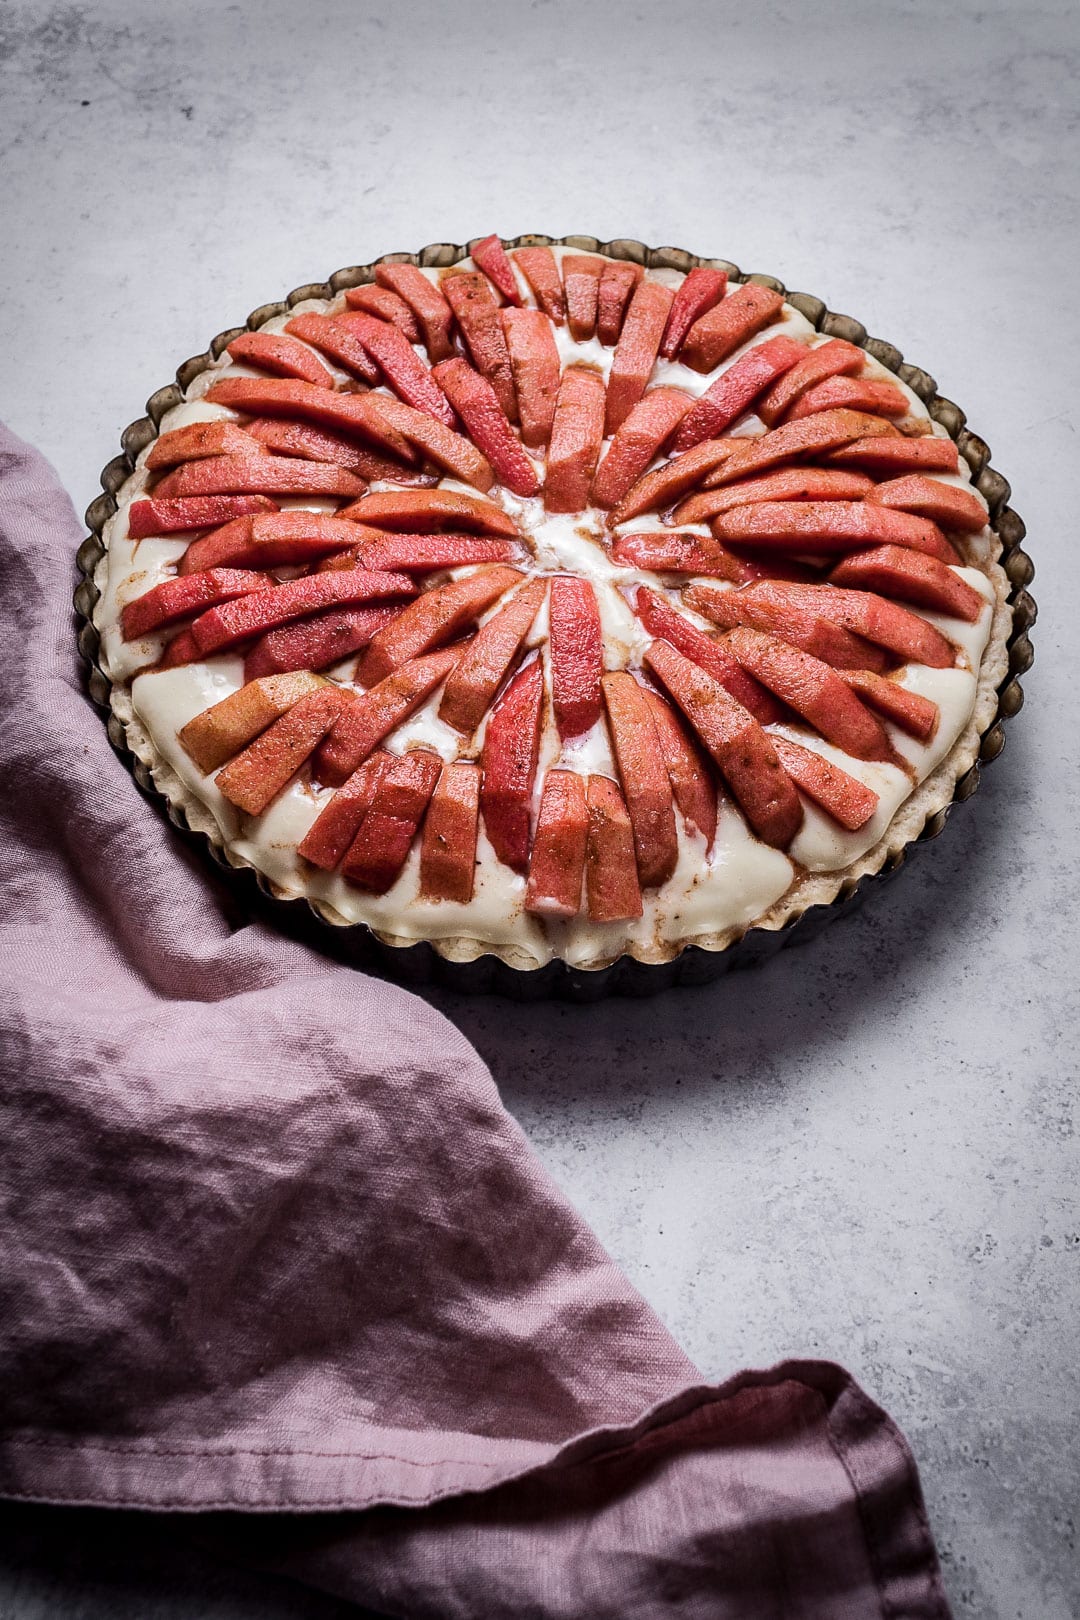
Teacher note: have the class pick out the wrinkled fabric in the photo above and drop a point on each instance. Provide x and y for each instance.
(270, 1242)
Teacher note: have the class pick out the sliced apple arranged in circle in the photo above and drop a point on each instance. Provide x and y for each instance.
(547, 563)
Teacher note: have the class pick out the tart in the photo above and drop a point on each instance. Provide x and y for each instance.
(547, 605)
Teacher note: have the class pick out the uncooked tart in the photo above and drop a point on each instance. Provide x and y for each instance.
(550, 606)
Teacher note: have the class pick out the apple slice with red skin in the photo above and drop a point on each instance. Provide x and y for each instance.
(282, 356)
(180, 650)
(540, 268)
(871, 394)
(380, 849)
(343, 561)
(701, 290)
(618, 278)
(256, 776)
(663, 486)
(401, 367)
(363, 415)
(424, 553)
(489, 255)
(258, 475)
(386, 306)
(667, 551)
(668, 624)
(877, 454)
(477, 403)
(534, 360)
(480, 672)
(947, 505)
(743, 751)
(447, 608)
(722, 461)
(353, 319)
(830, 526)
(392, 352)
(253, 615)
(221, 731)
(612, 890)
(691, 784)
(637, 350)
(318, 444)
(836, 358)
(427, 553)
(376, 713)
(646, 429)
(557, 862)
(427, 510)
(440, 444)
(509, 759)
(268, 540)
(909, 710)
(180, 597)
(473, 303)
(789, 484)
(840, 795)
(201, 439)
(581, 285)
(896, 572)
(158, 517)
(338, 822)
(427, 303)
(813, 690)
(750, 566)
(736, 389)
(729, 324)
(792, 441)
(448, 850)
(433, 618)
(891, 626)
(760, 611)
(863, 519)
(316, 643)
(644, 777)
(577, 655)
(577, 434)
(337, 342)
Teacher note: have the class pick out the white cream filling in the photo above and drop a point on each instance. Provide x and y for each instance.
(709, 893)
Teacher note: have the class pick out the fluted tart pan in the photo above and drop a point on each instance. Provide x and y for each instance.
(455, 963)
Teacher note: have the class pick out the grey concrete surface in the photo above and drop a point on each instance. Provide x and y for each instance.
(866, 1150)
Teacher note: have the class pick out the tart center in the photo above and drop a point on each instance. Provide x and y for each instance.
(571, 543)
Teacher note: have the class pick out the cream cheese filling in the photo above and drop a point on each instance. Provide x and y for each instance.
(711, 891)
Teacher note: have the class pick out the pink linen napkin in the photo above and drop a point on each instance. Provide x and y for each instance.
(270, 1242)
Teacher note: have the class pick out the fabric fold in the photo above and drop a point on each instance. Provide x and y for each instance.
(271, 1243)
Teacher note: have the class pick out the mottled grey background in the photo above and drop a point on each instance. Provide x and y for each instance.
(866, 1150)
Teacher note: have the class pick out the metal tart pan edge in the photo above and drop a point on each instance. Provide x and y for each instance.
(420, 963)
